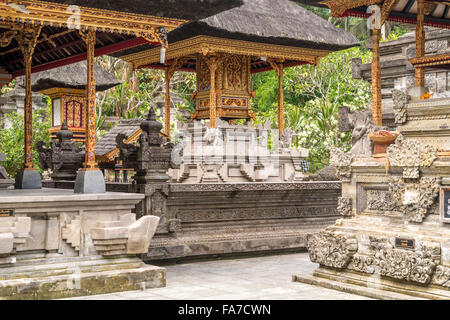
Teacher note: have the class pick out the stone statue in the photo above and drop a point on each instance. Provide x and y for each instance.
(286, 138)
(361, 124)
(63, 157)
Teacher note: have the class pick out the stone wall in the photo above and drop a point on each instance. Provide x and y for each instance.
(216, 219)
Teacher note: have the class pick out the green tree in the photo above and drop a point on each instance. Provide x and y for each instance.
(12, 139)
(312, 98)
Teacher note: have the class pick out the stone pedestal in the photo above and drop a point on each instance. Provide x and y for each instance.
(28, 179)
(55, 244)
(90, 181)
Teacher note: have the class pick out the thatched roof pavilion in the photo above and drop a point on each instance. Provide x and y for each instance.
(41, 35)
(181, 9)
(225, 49)
(72, 76)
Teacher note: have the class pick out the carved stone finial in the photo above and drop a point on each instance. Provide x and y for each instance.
(411, 155)
(64, 134)
(152, 128)
(401, 100)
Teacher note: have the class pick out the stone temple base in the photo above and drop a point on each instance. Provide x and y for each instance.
(70, 277)
(373, 286)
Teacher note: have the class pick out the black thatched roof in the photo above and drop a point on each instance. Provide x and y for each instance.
(107, 143)
(72, 76)
(180, 9)
(282, 22)
(404, 11)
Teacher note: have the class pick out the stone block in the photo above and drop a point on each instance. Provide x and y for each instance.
(90, 182)
(28, 179)
(109, 233)
(141, 233)
(6, 243)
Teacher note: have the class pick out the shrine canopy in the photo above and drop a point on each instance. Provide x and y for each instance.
(225, 49)
(437, 13)
(258, 28)
(119, 24)
(72, 76)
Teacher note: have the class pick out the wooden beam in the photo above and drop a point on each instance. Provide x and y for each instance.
(80, 57)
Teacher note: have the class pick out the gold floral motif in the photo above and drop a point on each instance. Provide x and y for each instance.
(59, 15)
(234, 102)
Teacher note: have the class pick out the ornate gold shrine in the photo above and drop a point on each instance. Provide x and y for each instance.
(233, 89)
(69, 105)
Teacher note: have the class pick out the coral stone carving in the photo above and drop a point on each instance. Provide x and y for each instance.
(332, 248)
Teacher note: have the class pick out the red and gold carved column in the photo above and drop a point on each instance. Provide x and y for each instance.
(27, 39)
(280, 99)
(213, 64)
(167, 103)
(377, 115)
(278, 67)
(169, 71)
(420, 42)
(89, 38)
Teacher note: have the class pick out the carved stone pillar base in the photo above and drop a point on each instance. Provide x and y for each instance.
(28, 179)
(90, 181)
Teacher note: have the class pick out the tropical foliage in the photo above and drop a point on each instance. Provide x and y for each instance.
(12, 139)
(312, 98)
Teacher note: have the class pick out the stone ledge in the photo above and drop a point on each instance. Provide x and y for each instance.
(59, 284)
(268, 186)
(368, 286)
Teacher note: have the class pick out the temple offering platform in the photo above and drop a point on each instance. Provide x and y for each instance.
(55, 243)
(394, 234)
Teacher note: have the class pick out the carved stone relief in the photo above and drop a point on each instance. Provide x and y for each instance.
(415, 198)
(332, 248)
(382, 258)
(342, 162)
(411, 155)
(380, 200)
(400, 102)
(345, 206)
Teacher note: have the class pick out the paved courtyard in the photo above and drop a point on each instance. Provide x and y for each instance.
(259, 278)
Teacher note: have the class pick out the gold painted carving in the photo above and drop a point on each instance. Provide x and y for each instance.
(59, 15)
(207, 45)
(169, 71)
(89, 38)
(338, 7)
(27, 39)
(279, 70)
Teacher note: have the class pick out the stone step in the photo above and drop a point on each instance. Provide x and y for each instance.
(52, 269)
(84, 284)
(351, 288)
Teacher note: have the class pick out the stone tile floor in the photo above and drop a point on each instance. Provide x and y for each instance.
(257, 278)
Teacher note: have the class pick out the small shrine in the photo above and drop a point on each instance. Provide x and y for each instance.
(393, 239)
(66, 87)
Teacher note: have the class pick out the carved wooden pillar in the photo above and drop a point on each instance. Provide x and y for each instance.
(377, 115)
(279, 69)
(167, 103)
(90, 179)
(27, 39)
(90, 163)
(213, 64)
(420, 42)
(169, 71)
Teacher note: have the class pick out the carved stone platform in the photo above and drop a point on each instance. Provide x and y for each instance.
(199, 220)
(55, 243)
(394, 235)
(54, 278)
